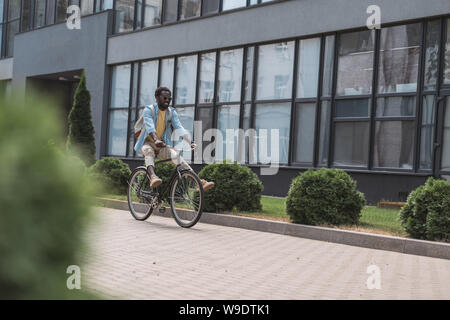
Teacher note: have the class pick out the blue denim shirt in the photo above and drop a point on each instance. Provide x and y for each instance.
(150, 121)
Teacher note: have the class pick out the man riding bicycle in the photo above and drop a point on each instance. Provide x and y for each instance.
(155, 138)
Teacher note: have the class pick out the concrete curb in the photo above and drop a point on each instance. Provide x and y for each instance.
(352, 238)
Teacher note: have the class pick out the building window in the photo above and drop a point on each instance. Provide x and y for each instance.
(249, 73)
(186, 79)
(206, 77)
(230, 75)
(148, 82)
(124, 15)
(186, 116)
(432, 41)
(119, 108)
(445, 165)
(39, 13)
(233, 4)
(308, 68)
(167, 70)
(399, 58)
(26, 16)
(275, 69)
(427, 132)
(355, 63)
(305, 119)
(170, 10)
(87, 7)
(190, 8)
(152, 12)
(61, 10)
(227, 120)
(276, 116)
(210, 6)
(351, 143)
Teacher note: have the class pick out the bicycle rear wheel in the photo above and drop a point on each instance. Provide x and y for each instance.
(139, 194)
(186, 199)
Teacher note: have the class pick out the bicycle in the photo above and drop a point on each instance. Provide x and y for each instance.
(186, 195)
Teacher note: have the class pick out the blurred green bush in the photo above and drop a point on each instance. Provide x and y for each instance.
(110, 175)
(44, 203)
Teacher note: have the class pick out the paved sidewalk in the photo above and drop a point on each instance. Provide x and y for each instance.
(157, 259)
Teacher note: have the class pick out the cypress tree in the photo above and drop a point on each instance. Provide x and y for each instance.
(81, 131)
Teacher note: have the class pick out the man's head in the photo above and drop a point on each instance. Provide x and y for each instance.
(163, 97)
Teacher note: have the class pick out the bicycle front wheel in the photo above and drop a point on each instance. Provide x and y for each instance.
(186, 199)
(139, 194)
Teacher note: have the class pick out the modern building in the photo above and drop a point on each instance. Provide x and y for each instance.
(375, 102)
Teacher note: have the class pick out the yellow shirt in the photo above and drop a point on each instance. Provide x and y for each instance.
(161, 123)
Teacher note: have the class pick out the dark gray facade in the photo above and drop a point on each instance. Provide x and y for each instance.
(54, 52)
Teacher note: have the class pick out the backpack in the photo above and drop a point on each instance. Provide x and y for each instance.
(140, 123)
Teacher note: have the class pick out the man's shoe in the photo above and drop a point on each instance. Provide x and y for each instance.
(207, 185)
(155, 181)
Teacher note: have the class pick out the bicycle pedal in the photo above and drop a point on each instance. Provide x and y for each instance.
(162, 209)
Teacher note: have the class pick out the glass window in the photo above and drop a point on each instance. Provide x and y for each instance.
(13, 9)
(355, 63)
(186, 79)
(205, 116)
(190, 8)
(120, 87)
(275, 68)
(152, 13)
(170, 10)
(354, 108)
(50, 15)
(325, 119)
(230, 75)
(61, 10)
(210, 6)
(39, 13)
(124, 15)
(148, 82)
(117, 140)
(328, 66)
(445, 165)
(432, 54)
(249, 73)
(26, 15)
(87, 7)
(228, 118)
(351, 143)
(1, 10)
(233, 4)
(1, 42)
(394, 144)
(207, 74)
(396, 107)
(427, 132)
(12, 29)
(308, 68)
(186, 115)
(399, 58)
(107, 4)
(167, 68)
(447, 56)
(245, 127)
(305, 119)
(273, 116)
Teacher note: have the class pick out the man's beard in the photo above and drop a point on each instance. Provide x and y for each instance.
(163, 107)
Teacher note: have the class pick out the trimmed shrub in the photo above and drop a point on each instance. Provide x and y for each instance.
(44, 204)
(426, 214)
(235, 186)
(111, 175)
(81, 130)
(325, 196)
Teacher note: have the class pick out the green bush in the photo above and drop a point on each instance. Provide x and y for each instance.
(44, 205)
(111, 175)
(235, 186)
(164, 171)
(426, 214)
(325, 196)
